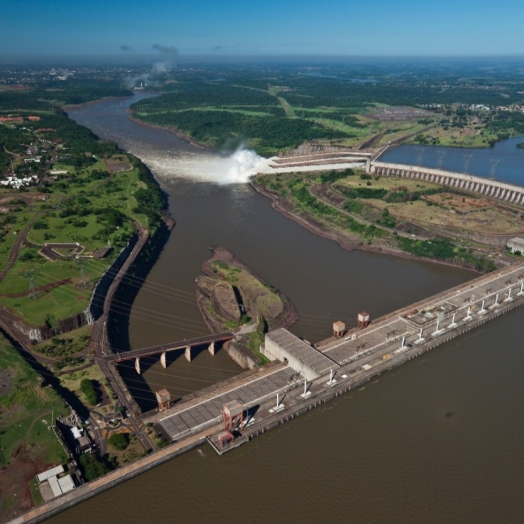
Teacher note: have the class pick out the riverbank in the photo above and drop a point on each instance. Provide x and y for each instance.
(347, 242)
(177, 132)
(68, 107)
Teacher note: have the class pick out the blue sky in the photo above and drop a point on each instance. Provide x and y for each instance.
(270, 27)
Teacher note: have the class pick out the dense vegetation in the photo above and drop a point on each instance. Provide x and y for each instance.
(92, 467)
(361, 216)
(444, 249)
(222, 107)
(119, 441)
(48, 94)
(91, 391)
(228, 130)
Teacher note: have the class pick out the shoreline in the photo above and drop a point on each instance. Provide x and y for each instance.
(289, 313)
(343, 242)
(174, 130)
(66, 107)
(285, 319)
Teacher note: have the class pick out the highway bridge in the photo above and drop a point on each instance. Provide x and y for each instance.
(162, 349)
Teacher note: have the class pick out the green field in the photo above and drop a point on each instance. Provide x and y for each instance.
(88, 205)
(26, 410)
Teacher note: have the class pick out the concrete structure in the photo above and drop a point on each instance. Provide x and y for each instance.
(207, 410)
(484, 186)
(386, 344)
(163, 397)
(306, 360)
(338, 328)
(162, 349)
(516, 245)
(233, 415)
(363, 319)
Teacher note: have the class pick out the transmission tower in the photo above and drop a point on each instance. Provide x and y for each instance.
(494, 163)
(467, 158)
(82, 264)
(420, 153)
(30, 275)
(441, 153)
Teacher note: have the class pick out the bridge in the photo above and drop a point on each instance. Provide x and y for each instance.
(162, 349)
(490, 188)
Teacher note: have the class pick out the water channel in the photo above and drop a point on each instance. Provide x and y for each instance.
(436, 440)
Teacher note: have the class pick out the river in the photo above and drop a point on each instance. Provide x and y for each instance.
(438, 440)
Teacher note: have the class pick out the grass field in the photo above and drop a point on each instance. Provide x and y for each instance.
(366, 209)
(72, 380)
(134, 450)
(24, 408)
(75, 219)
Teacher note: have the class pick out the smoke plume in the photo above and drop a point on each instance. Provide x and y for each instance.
(157, 69)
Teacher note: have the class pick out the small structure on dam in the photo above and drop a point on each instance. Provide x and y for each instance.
(163, 397)
(363, 319)
(338, 329)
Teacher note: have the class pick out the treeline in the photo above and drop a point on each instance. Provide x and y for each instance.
(198, 94)
(444, 249)
(226, 130)
(151, 200)
(317, 92)
(504, 123)
(56, 94)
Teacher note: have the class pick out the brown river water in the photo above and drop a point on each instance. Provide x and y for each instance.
(437, 440)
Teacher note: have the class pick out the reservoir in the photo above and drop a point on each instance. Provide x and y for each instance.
(436, 440)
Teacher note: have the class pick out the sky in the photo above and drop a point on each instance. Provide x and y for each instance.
(266, 28)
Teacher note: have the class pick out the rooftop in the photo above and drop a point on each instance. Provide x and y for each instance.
(304, 352)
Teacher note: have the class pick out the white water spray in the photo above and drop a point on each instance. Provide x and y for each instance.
(237, 168)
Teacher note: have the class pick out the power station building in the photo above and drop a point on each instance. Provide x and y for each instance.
(286, 347)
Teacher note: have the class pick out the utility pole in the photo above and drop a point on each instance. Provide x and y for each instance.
(30, 275)
(82, 264)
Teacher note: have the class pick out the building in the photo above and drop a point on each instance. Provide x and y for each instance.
(516, 245)
(54, 482)
(306, 360)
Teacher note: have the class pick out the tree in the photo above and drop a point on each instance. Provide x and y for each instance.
(119, 441)
(91, 392)
(92, 466)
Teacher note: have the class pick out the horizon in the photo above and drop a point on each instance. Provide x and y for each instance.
(469, 28)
